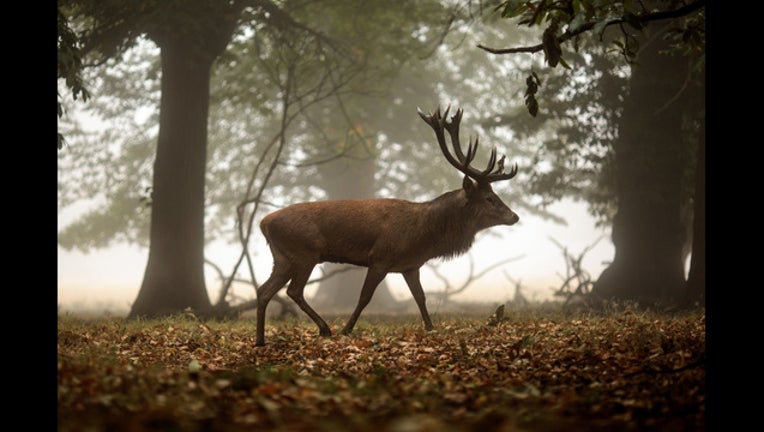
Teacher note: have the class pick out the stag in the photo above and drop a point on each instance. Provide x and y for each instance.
(385, 235)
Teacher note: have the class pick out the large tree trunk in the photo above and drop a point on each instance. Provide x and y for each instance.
(696, 282)
(647, 232)
(174, 277)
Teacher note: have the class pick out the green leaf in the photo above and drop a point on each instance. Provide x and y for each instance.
(539, 15)
(533, 106)
(531, 86)
(564, 64)
(513, 8)
(551, 46)
(532, 83)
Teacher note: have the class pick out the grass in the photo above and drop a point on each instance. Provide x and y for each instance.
(534, 370)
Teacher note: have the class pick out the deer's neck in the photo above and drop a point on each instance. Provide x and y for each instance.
(449, 231)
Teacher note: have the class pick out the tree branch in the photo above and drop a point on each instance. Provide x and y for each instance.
(294, 103)
(472, 277)
(567, 35)
(278, 14)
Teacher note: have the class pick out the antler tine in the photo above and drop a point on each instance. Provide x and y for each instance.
(439, 123)
(471, 152)
(491, 162)
(500, 165)
(422, 114)
(496, 177)
(453, 130)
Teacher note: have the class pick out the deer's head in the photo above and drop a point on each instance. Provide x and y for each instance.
(485, 206)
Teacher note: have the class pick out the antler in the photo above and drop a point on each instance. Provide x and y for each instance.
(461, 162)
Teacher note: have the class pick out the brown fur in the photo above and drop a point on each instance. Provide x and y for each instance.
(385, 235)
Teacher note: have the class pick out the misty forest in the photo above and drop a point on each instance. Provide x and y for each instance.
(339, 142)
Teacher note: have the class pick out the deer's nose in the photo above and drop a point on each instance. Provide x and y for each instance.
(513, 220)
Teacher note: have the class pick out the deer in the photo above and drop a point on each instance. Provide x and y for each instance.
(385, 235)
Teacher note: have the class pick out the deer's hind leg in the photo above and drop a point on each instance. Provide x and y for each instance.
(295, 291)
(279, 277)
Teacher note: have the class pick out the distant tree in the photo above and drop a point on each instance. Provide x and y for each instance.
(664, 43)
(190, 36)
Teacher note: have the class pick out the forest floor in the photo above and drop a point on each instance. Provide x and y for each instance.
(622, 371)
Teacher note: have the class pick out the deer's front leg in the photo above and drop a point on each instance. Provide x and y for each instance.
(412, 280)
(373, 278)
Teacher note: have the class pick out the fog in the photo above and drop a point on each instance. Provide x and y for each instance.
(390, 152)
(107, 280)
(278, 134)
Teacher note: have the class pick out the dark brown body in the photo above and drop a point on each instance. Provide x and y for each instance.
(385, 235)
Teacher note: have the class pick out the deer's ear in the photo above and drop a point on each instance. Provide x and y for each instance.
(469, 185)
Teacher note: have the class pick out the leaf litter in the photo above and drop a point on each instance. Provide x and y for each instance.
(623, 371)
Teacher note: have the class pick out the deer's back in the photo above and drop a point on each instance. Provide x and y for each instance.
(348, 231)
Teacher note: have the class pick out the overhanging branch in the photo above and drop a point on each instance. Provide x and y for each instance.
(567, 35)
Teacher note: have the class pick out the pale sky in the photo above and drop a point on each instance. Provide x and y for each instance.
(110, 278)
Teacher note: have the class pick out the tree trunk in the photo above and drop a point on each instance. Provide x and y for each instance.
(647, 232)
(696, 282)
(174, 277)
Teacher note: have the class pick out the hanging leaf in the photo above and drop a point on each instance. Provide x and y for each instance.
(552, 50)
(533, 105)
(532, 83)
(536, 77)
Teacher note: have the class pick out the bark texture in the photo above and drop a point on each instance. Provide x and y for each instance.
(647, 232)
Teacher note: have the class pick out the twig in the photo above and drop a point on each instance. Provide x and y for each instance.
(327, 86)
(574, 271)
(472, 276)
